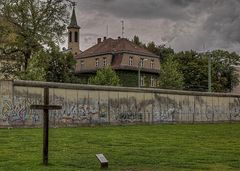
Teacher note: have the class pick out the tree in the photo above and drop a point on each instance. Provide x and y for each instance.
(9, 69)
(170, 76)
(165, 52)
(51, 65)
(34, 24)
(160, 50)
(194, 67)
(137, 41)
(224, 75)
(106, 76)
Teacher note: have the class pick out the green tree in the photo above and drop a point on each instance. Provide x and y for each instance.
(34, 24)
(224, 75)
(137, 41)
(9, 70)
(106, 76)
(160, 50)
(51, 65)
(165, 52)
(194, 67)
(170, 76)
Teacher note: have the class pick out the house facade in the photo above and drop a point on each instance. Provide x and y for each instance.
(122, 55)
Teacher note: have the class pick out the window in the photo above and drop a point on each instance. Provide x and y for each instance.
(142, 81)
(97, 62)
(152, 64)
(141, 62)
(70, 36)
(82, 63)
(76, 36)
(130, 61)
(104, 61)
(152, 82)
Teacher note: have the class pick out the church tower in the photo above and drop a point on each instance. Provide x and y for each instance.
(73, 34)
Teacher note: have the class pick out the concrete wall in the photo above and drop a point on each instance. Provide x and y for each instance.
(116, 105)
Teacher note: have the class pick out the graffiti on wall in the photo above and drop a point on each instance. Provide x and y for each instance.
(118, 107)
(235, 109)
(22, 114)
(5, 110)
(17, 111)
(81, 111)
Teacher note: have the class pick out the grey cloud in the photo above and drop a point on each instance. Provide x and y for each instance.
(184, 24)
(172, 9)
(225, 21)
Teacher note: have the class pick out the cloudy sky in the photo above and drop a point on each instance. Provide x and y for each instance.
(181, 24)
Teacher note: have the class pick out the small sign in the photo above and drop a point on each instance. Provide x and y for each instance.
(103, 161)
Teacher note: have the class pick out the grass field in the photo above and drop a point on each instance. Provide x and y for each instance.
(128, 148)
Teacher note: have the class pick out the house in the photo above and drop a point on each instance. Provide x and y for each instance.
(125, 57)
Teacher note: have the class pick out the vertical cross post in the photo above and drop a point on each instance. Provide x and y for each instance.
(45, 107)
(45, 126)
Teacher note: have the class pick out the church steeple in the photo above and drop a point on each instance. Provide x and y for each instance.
(73, 33)
(73, 23)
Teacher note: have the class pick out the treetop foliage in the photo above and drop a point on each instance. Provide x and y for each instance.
(105, 76)
(51, 65)
(34, 24)
(194, 67)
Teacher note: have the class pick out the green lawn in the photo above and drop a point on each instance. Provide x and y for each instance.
(128, 148)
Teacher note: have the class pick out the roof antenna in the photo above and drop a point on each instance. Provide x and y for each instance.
(122, 29)
(107, 31)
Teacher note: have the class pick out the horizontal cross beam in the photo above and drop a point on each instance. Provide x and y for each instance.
(43, 107)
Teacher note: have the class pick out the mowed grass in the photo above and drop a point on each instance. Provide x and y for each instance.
(128, 148)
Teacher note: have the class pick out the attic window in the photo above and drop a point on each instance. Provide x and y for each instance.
(152, 64)
(141, 62)
(104, 61)
(82, 63)
(97, 62)
(130, 61)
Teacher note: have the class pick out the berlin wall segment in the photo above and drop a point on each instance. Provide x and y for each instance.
(84, 105)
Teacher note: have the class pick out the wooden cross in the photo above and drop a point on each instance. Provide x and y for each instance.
(46, 107)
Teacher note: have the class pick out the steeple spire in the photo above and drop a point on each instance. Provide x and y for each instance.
(73, 23)
(73, 33)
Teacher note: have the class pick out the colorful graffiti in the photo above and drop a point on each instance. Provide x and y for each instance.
(117, 107)
(6, 110)
(17, 111)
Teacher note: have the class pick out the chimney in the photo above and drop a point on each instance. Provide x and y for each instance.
(105, 38)
(99, 40)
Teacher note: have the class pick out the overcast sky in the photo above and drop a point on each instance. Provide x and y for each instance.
(181, 24)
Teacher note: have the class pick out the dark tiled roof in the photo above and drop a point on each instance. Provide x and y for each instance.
(73, 23)
(115, 46)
